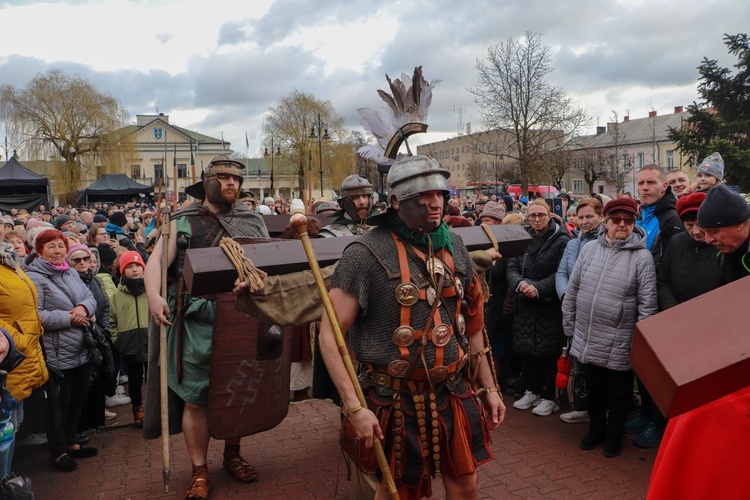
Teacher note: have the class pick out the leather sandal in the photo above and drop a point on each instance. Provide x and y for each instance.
(200, 485)
(239, 468)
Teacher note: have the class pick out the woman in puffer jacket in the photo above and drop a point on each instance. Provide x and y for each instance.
(537, 321)
(66, 307)
(613, 286)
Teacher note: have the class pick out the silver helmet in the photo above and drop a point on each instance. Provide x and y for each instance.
(412, 175)
(354, 185)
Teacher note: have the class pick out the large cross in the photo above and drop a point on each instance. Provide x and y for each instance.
(208, 270)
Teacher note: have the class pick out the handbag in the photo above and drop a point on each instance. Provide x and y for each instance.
(95, 356)
(104, 348)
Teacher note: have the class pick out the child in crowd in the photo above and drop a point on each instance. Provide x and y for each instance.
(129, 324)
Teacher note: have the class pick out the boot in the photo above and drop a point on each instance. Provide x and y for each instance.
(592, 440)
(138, 416)
(612, 444)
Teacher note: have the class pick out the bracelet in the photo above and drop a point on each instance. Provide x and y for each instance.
(353, 409)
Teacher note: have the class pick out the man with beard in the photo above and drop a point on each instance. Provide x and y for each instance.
(407, 294)
(356, 204)
(216, 213)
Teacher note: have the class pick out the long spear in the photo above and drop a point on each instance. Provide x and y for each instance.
(163, 355)
(299, 223)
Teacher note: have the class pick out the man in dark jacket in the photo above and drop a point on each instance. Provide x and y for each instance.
(660, 221)
(725, 217)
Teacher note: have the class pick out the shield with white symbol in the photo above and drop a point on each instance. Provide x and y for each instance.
(158, 133)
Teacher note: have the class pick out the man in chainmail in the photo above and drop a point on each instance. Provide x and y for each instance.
(356, 205)
(216, 213)
(407, 295)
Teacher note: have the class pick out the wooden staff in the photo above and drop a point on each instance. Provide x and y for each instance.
(299, 223)
(164, 387)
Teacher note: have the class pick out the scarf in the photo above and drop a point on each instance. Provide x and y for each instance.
(63, 268)
(440, 237)
(134, 286)
(8, 256)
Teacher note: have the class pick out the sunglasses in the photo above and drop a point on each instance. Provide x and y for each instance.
(537, 216)
(80, 259)
(629, 221)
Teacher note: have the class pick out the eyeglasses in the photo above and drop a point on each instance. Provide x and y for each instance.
(80, 259)
(537, 216)
(629, 221)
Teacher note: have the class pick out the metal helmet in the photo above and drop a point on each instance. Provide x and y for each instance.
(223, 164)
(355, 185)
(412, 175)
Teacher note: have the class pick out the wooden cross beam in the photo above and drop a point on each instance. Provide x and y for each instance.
(208, 270)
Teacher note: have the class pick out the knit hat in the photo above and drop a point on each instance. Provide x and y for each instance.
(712, 165)
(268, 201)
(100, 218)
(106, 255)
(493, 210)
(60, 220)
(130, 257)
(624, 204)
(264, 210)
(31, 234)
(118, 219)
(722, 208)
(297, 207)
(76, 247)
(690, 203)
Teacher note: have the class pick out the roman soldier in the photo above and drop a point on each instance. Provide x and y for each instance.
(356, 204)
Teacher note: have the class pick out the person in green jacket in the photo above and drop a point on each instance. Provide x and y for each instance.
(129, 323)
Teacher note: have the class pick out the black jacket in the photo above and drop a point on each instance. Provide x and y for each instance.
(736, 265)
(670, 224)
(687, 269)
(537, 322)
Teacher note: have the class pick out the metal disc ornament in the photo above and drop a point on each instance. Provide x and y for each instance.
(460, 288)
(404, 336)
(398, 368)
(441, 335)
(438, 374)
(407, 294)
(461, 323)
(435, 266)
(431, 295)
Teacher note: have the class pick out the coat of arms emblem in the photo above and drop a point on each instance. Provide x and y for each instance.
(158, 133)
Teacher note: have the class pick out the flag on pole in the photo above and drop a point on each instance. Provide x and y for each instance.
(223, 146)
(247, 141)
(174, 163)
(192, 159)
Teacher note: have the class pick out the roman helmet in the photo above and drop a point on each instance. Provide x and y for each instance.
(221, 164)
(354, 185)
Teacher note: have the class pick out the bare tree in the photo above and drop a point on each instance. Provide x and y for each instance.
(66, 116)
(512, 93)
(619, 161)
(290, 122)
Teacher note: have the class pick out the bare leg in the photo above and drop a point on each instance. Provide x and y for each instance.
(235, 464)
(463, 488)
(195, 428)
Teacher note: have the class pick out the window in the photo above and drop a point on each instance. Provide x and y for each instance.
(181, 170)
(641, 160)
(577, 186)
(135, 171)
(158, 171)
(670, 159)
(601, 189)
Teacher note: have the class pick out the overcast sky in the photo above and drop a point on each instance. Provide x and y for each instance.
(217, 66)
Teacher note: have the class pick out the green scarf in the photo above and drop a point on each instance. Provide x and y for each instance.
(440, 237)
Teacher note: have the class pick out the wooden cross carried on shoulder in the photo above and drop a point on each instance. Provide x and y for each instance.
(209, 270)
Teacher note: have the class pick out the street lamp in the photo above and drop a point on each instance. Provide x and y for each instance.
(320, 136)
(272, 154)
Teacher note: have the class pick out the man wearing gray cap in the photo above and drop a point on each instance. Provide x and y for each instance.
(725, 218)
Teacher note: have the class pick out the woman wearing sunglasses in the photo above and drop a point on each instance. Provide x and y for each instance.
(613, 286)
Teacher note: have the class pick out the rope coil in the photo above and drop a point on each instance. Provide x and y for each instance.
(246, 270)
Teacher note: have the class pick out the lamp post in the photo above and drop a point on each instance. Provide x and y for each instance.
(322, 135)
(272, 154)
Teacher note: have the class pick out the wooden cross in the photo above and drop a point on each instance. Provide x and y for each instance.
(208, 270)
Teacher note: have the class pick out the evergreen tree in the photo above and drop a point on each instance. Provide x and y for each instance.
(721, 122)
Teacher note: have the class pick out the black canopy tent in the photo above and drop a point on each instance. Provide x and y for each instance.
(21, 188)
(113, 188)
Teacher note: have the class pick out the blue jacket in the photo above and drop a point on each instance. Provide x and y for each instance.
(572, 250)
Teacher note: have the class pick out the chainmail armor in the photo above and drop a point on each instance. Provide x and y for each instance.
(369, 270)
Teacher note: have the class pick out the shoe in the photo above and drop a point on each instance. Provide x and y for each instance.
(82, 438)
(634, 403)
(545, 408)
(575, 417)
(138, 416)
(635, 426)
(120, 390)
(527, 401)
(64, 463)
(650, 437)
(591, 440)
(34, 440)
(109, 415)
(116, 400)
(612, 445)
(83, 452)
(122, 379)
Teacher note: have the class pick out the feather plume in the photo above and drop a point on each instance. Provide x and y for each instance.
(409, 102)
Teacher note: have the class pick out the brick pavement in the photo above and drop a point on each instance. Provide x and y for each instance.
(535, 457)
